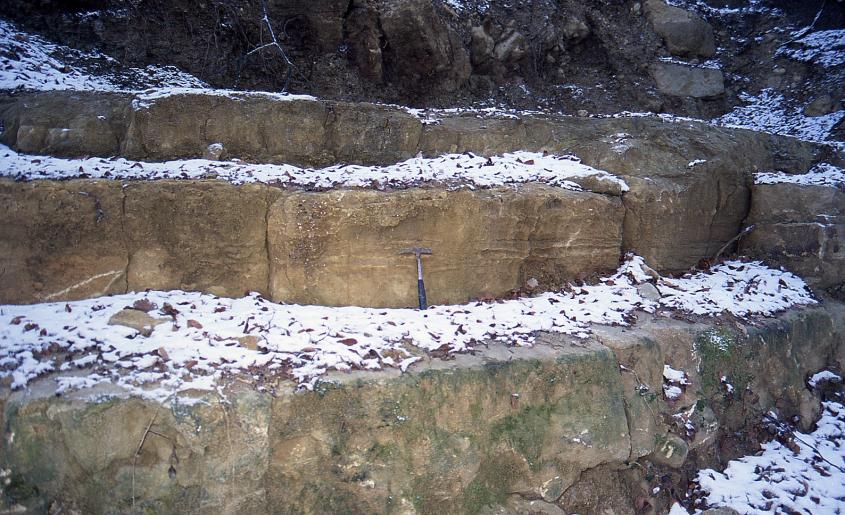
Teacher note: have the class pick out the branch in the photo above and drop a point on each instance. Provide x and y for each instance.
(274, 43)
(731, 241)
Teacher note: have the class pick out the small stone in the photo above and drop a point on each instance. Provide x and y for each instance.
(671, 451)
(779, 71)
(552, 489)
(138, 320)
(649, 291)
(214, 152)
(821, 105)
(575, 30)
(532, 283)
(583, 113)
(636, 9)
(249, 341)
(720, 511)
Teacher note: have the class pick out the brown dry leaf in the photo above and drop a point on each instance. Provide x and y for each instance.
(167, 309)
(162, 353)
(144, 305)
(193, 323)
(349, 341)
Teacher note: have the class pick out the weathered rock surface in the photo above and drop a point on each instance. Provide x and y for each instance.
(423, 50)
(67, 123)
(686, 34)
(483, 433)
(336, 247)
(203, 235)
(341, 247)
(801, 228)
(675, 213)
(61, 240)
(688, 81)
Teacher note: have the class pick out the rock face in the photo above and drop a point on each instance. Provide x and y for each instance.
(206, 236)
(687, 81)
(337, 247)
(801, 228)
(212, 236)
(550, 427)
(341, 247)
(61, 241)
(686, 34)
(423, 50)
(67, 123)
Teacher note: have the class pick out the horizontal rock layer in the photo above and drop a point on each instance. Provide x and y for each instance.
(801, 228)
(77, 239)
(449, 437)
(213, 237)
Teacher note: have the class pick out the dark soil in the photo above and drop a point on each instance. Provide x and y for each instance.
(351, 50)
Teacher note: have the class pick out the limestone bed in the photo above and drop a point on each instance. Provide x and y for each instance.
(174, 340)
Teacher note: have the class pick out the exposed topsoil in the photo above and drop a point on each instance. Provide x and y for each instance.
(560, 54)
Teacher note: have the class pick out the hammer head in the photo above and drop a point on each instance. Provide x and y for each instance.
(416, 250)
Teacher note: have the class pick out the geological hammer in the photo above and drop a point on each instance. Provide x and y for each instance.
(419, 251)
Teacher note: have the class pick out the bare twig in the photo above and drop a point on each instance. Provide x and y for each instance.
(784, 428)
(138, 452)
(732, 241)
(803, 32)
(274, 44)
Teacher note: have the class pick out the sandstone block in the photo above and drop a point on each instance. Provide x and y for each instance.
(340, 247)
(207, 236)
(686, 34)
(61, 240)
(680, 80)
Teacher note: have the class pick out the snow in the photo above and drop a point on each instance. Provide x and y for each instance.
(824, 375)
(144, 99)
(822, 174)
(673, 381)
(201, 336)
(741, 288)
(30, 62)
(824, 48)
(768, 112)
(712, 64)
(457, 169)
(674, 376)
(779, 480)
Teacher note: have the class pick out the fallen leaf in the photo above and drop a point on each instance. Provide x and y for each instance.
(144, 305)
(167, 309)
(349, 341)
(193, 323)
(163, 354)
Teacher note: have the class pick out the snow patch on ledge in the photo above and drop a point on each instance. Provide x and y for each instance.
(144, 99)
(204, 337)
(825, 48)
(769, 111)
(778, 480)
(31, 62)
(822, 174)
(452, 169)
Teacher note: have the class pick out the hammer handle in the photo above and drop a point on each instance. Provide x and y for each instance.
(421, 292)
